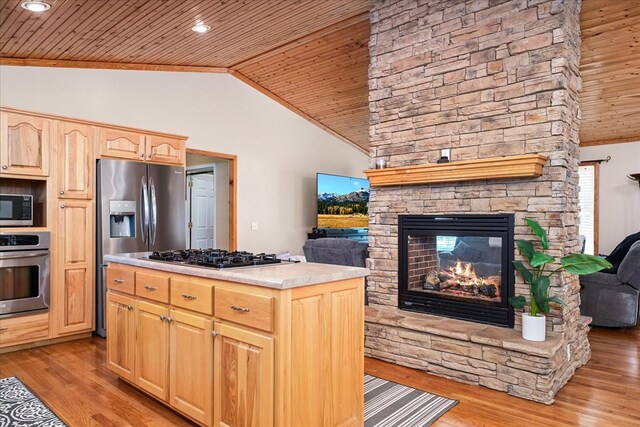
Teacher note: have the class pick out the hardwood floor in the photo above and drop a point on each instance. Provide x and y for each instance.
(602, 393)
(72, 379)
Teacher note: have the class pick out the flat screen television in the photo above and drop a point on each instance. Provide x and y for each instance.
(342, 201)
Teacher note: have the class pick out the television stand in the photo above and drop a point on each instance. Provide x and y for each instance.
(358, 234)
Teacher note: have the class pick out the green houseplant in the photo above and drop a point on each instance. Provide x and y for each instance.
(538, 278)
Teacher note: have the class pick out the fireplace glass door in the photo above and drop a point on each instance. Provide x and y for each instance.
(465, 268)
(457, 266)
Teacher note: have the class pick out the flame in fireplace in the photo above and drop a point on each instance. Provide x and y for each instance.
(462, 278)
(466, 271)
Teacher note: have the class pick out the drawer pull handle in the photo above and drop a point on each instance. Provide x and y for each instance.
(150, 288)
(189, 297)
(169, 319)
(118, 281)
(214, 334)
(241, 309)
(129, 307)
(162, 317)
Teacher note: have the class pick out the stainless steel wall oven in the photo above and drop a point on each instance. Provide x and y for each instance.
(25, 268)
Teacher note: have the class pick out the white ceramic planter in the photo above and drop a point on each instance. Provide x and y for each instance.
(533, 327)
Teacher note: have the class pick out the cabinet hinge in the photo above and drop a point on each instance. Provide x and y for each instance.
(190, 225)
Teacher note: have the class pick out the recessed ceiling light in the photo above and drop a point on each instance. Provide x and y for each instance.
(200, 28)
(35, 5)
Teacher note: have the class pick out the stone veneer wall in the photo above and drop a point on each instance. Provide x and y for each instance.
(485, 78)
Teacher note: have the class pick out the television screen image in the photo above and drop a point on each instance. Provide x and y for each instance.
(342, 201)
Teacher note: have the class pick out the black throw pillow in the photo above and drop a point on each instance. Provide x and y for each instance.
(617, 255)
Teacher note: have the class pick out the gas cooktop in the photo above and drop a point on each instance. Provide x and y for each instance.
(214, 258)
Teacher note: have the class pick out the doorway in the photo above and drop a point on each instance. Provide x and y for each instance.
(201, 215)
(211, 200)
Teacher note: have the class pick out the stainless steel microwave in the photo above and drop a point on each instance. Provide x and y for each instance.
(16, 210)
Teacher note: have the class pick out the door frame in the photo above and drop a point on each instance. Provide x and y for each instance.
(209, 168)
(233, 192)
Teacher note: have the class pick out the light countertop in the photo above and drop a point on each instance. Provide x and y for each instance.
(285, 275)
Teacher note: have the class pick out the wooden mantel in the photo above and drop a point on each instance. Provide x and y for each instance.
(525, 166)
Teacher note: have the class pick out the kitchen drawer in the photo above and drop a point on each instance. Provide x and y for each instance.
(192, 296)
(23, 329)
(120, 280)
(152, 286)
(245, 308)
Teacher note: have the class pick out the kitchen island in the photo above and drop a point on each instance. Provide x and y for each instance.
(274, 345)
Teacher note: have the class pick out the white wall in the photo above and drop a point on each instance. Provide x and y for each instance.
(619, 197)
(278, 152)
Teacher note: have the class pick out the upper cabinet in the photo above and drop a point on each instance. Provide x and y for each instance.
(24, 144)
(161, 149)
(75, 160)
(123, 144)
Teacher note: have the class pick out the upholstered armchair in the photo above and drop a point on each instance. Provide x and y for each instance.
(611, 299)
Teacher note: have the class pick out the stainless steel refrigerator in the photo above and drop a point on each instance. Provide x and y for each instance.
(140, 208)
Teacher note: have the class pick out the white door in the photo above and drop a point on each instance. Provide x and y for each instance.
(202, 211)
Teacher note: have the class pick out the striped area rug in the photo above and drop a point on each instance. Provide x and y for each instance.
(387, 404)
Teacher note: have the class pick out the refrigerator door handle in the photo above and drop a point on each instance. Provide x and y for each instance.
(154, 212)
(144, 218)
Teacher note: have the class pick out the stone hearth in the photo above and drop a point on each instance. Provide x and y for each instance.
(483, 78)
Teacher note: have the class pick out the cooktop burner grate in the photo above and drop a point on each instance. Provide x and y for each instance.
(214, 258)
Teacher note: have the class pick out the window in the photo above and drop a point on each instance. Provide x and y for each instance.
(588, 201)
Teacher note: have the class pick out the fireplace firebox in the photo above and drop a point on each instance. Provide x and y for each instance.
(458, 266)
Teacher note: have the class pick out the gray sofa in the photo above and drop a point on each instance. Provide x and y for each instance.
(336, 251)
(611, 299)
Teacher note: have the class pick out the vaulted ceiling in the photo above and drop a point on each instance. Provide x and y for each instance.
(610, 70)
(312, 56)
(309, 55)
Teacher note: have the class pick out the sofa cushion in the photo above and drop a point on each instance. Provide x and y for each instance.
(600, 279)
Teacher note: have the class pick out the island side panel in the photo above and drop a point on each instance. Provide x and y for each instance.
(327, 361)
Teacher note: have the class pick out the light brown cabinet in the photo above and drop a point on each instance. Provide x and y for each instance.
(239, 355)
(24, 144)
(168, 353)
(160, 149)
(191, 365)
(18, 330)
(53, 158)
(152, 349)
(121, 144)
(243, 377)
(121, 327)
(75, 160)
(74, 288)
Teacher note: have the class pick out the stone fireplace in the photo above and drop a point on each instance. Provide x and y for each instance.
(458, 266)
(485, 79)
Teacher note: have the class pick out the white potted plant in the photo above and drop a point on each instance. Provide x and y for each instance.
(533, 322)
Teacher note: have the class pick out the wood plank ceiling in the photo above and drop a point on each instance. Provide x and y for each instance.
(309, 55)
(610, 69)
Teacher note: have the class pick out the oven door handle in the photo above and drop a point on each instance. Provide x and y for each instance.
(4, 255)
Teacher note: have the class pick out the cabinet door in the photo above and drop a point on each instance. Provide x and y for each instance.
(24, 144)
(75, 160)
(121, 144)
(74, 289)
(121, 335)
(152, 349)
(191, 365)
(243, 378)
(165, 150)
